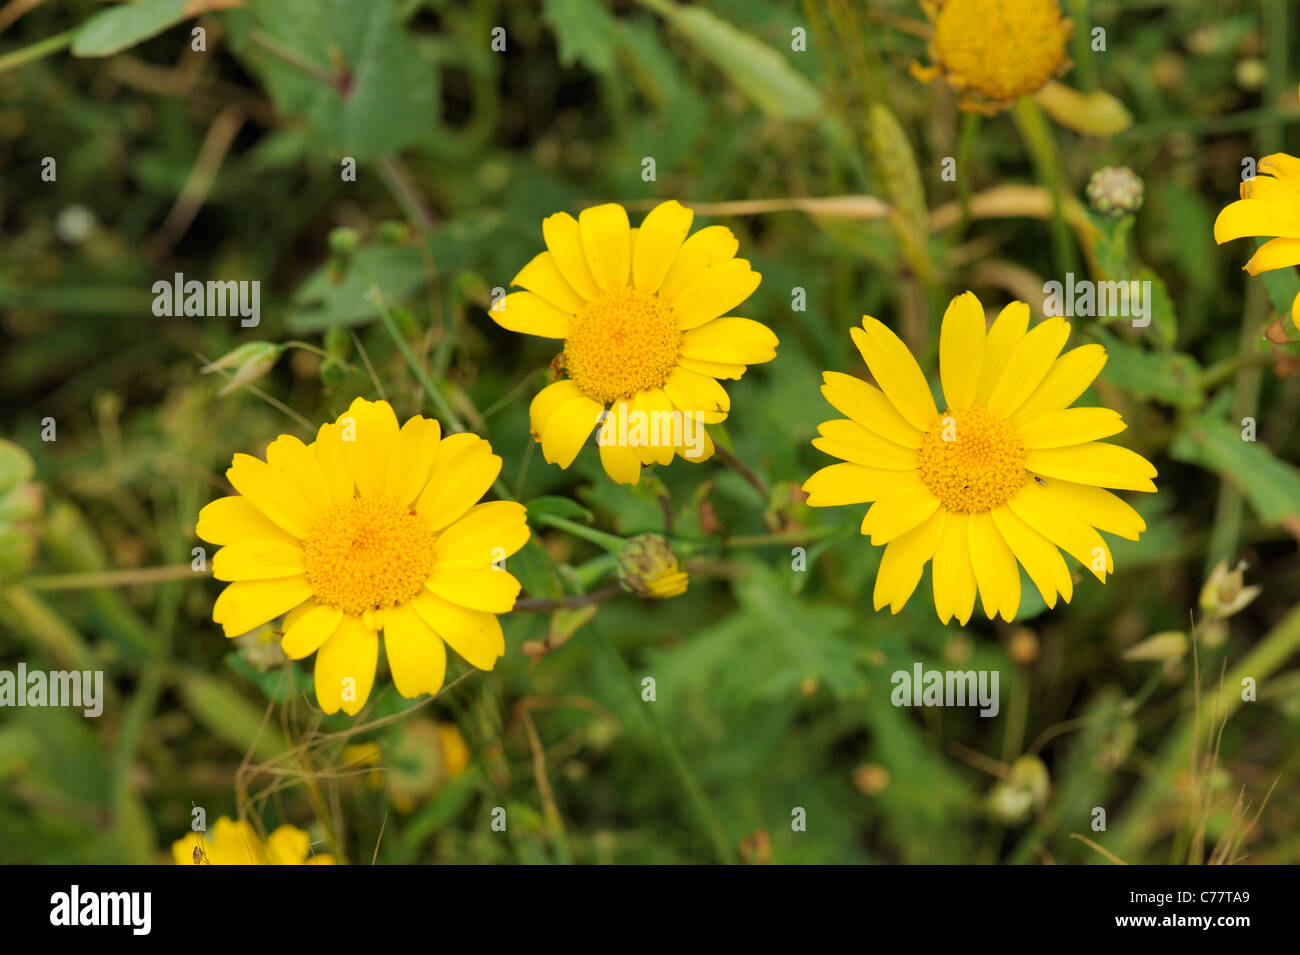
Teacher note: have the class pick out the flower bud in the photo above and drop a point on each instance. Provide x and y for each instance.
(648, 566)
(249, 361)
(1225, 593)
(1115, 191)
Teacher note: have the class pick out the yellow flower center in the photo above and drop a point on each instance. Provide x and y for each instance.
(367, 555)
(1001, 48)
(620, 343)
(972, 461)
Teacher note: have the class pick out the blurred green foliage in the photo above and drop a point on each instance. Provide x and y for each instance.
(772, 684)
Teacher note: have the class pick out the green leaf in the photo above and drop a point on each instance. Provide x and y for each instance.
(561, 507)
(16, 466)
(1271, 485)
(381, 81)
(126, 24)
(1173, 379)
(229, 716)
(584, 32)
(752, 66)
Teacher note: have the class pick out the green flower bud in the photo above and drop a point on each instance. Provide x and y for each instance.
(648, 567)
(1115, 191)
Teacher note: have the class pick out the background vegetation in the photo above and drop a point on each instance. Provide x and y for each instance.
(772, 684)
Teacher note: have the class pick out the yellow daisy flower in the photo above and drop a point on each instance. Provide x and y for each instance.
(995, 51)
(237, 843)
(370, 527)
(643, 316)
(1269, 206)
(1007, 473)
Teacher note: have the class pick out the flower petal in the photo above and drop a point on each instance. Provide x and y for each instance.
(488, 533)
(899, 511)
(607, 244)
(1063, 529)
(1039, 556)
(1057, 429)
(345, 667)
(473, 634)
(268, 489)
(564, 240)
(952, 576)
(306, 633)
(1069, 377)
(740, 341)
(897, 372)
(255, 559)
(542, 277)
(568, 428)
(705, 248)
(230, 519)
(247, 604)
(715, 291)
(850, 483)
(1027, 365)
(1098, 507)
(417, 657)
(868, 406)
(904, 560)
(995, 568)
(530, 314)
(1255, 217)
(474, 586)
(850, 441)
(657, 243)
(463, 470)
(369, 431)
(961, 350)
(1098, 463)
(1004, 335)
(412, 459)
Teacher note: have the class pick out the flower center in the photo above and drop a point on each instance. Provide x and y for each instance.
(1002, 48)
(620, 343)
(367, 555)
(972, 461)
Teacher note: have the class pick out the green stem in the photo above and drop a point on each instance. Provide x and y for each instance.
(111, 578)
(704, 815)
(610, 542)
(37, 50)
(1037, 134)
(970, 125)
(439, 400)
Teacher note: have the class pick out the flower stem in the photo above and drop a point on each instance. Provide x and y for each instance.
(610, 542)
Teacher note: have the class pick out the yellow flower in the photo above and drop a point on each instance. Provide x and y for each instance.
(370, 527)
(236, 843)
(1269, 206)
(995, 51)
(648, 566)
(1007, 473)
(641, 313)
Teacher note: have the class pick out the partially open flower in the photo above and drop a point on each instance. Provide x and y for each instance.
(648, 567)
(237, 843)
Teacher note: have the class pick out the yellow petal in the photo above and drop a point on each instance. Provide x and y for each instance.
(416, 655)
(473, 634)
(952, 576)
(1057, 429)
(332, 456)
(741, 341)
(1027, 366)
(867, 405)
(412, 459)
(1255, 217)
(345, 667)
(255, 559)
(299, 464)
(305, 634)
(851, 484)
(715, 291)
(568, 428)
(1281, 165)
(1098, 507)
(1069, 377)
(1004, 335)
(474, 586)
(898, 512)
(621, 462)
(1063, 529)
(662, 432)
(692, 392)
(657, 243)
(564, 240)
(530, 314)
(268, 489)
(488, 533)
(961, 350)
(542, 277)
(850, 441)
(897, 372)
(706, 247)
(607, 244)
(463, 469)
(547, 400)
(1041, 560)
(369, 431)
(230, 519)
(1274, 254)
(904, 560)
(714, 369)
(995, 568)
(1099, 463)
(247, 604)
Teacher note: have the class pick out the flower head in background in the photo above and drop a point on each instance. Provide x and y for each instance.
(1004, 476)
(1269, 207)
(992, 52)
(643, 314)
(237, 843)
(371, 527)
